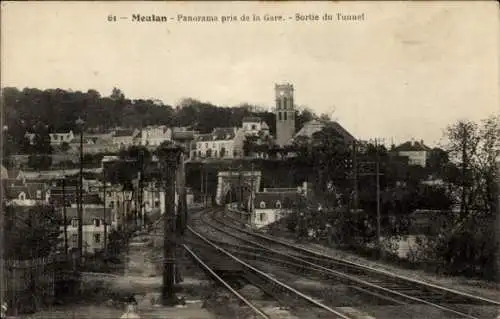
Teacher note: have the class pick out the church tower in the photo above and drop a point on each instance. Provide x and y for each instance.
(285, 113)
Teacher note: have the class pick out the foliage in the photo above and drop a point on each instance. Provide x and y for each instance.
(466, 243)
(31, 232)
(40, 161)
(59, 109)
(65, 147)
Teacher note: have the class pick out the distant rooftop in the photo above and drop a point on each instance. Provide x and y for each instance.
(412, 146)
(247, 119)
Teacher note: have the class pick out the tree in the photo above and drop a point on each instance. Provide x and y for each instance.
(65, 147)
(330, 153)
(31, 233)
(40, 161)
(117, 94)
(466, 242)
(437, 160)
(41, 140)
(463, 141)
(475, 148)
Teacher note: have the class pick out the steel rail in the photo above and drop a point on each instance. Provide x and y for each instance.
(224, 283)
(361, 266)
(342, 275)
(268, 277)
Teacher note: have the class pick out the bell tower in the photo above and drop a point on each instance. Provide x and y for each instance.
(285, 113)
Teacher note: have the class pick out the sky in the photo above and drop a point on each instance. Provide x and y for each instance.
(406, 71)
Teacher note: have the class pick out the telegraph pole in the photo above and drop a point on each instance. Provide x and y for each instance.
(377, 181)
(377, 171)
(251, 206)
(206, 187)
(79, 122)
(355, 175)
(171, 159)
(104, 214)
(65, 219)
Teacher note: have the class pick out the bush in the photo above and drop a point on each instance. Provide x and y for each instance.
(469, 251)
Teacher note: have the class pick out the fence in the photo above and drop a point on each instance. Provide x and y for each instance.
(29, 284)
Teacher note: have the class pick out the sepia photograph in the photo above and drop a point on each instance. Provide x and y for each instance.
(253, 159)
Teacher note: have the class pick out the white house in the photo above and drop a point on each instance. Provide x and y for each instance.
(59, 138)
(271, 206)
(125, 138)
(253, 125)
(221, 143)
(27, 194)
(55, 138)
(93, 228)
(417, 152)
(155, 135)
(153, 199)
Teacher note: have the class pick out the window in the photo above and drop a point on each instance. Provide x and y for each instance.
(74, 222)
(284, 115)
(111, 204)
(22, 196)
(38, 194)
(206, 145)
(157, 204)
(254, 127)
(97, 238)
(284, 104)
(278, 204)
(74, 239)
(97, 222)
(262, 205)
(262, 217)
(279, 116)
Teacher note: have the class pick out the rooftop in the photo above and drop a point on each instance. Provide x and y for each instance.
(124, 132)
(412, 146)
(252, 119)
(314, 126)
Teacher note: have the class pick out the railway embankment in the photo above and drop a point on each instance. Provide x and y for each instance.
(475, 286)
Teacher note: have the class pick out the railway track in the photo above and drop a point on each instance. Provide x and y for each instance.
(389, 286)
(203, 265)
(203, 251)
(286, 295)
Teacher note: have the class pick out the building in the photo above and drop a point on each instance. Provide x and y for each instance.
(307, 131)
(272, 205)
(125, 138)
(153, 199)
(417, 152)
(59, 138)
(155, 135)
(221, 143)
(56, 139)
(186, 138)
(94, 143)
(26, 194)
(254, 126)
(4, 173)
(93, 228)
(285, 114)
